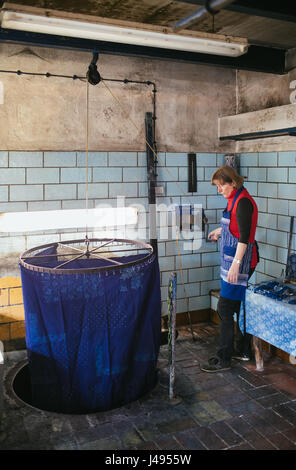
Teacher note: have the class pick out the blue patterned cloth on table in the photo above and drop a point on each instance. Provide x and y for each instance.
(271, 314)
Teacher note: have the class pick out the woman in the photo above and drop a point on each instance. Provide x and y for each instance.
(239, 257)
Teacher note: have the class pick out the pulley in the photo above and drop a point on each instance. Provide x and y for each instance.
(93, 76)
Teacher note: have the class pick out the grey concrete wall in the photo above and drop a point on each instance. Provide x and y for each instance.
(263, 90)
(41, 113)
(256, 91)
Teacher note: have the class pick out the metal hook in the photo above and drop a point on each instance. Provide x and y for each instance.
(87, 253)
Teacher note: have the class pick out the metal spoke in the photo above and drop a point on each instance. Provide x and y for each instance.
(67, 246)
(123, 251)
(104, 244)
(87, 253)
(69, 261)
(107, 259)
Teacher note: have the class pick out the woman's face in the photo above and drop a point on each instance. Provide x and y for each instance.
(224, 188)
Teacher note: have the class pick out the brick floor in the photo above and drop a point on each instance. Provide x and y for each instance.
(239, 409)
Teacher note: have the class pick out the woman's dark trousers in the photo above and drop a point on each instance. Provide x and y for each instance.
(226, 309)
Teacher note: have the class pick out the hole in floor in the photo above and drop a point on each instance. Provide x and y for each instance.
(22, 389)
(21, 385)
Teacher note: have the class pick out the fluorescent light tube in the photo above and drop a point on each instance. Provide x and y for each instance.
(65, 219)
(125, 35)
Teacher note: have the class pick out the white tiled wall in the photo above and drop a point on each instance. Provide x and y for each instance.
(270, 178)
(31, 181)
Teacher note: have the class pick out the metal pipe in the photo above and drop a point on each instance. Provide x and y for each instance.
(213, 6)
(172, 299)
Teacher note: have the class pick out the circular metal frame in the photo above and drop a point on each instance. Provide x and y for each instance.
(79, 253)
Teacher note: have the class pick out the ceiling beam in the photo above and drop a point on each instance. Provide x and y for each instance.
(276, 9)
(291, 59)
(258, 59)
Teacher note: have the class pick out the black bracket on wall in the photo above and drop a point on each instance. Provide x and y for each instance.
(192, 188)
(152, 176)
(192, 176)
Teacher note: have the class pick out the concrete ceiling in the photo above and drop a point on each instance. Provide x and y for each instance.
(268, 24)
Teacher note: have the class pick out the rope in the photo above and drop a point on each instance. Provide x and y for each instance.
(183, 283)
(141, 132)
(159, 159)
(86, 155)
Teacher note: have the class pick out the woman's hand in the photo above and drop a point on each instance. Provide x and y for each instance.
(234, 268)
(233, 272)
(215, 234)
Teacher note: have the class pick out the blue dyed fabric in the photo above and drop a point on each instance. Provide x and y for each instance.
(271, 315)
(92, 339)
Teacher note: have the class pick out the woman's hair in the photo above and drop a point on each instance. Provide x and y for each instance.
(227, 174)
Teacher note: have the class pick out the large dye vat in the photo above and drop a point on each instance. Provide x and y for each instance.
(93, 322)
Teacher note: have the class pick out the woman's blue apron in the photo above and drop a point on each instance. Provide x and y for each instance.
(228, 245)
